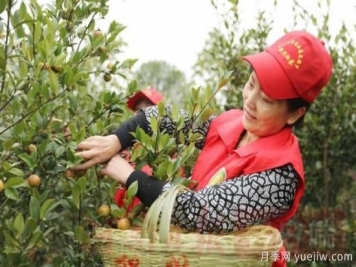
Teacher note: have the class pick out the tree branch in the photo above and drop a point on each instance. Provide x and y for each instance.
(6, 45)
(30, 112)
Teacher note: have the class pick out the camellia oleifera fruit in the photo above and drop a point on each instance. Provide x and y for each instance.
(123, 224)
(31, 148)
(107, 77)
(44, 66)
(2, 186)
(57, 68)
(70, 174)
(80, 173)
(109, 66)
(34, 181)
(104, 211)
(97, 33)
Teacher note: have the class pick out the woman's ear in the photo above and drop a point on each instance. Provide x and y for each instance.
(295, 115)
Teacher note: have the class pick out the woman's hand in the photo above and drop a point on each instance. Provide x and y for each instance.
(97, 150)
(118, 169)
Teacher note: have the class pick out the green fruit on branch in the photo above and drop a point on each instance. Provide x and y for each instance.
(107, 77)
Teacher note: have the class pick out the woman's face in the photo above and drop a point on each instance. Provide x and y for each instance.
(143, 103)
(262, 115)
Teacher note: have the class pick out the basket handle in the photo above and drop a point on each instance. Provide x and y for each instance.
(160, 213)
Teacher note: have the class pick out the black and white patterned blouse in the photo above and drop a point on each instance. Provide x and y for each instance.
(229, 206)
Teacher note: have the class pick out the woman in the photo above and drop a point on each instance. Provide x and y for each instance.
(142, 99)
(250, 169)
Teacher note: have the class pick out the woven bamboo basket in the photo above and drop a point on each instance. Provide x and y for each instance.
(158, 243)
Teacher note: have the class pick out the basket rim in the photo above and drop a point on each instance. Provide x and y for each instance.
(131, 239)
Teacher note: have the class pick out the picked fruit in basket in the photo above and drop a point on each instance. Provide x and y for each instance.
(123, 224)
(104, 211)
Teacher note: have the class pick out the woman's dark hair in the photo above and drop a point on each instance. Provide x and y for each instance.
(293, 105)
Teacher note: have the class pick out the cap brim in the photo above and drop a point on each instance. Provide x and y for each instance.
(131, 102)
(271, 76)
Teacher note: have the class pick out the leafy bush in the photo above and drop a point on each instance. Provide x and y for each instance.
(55, 67)
(54, 64)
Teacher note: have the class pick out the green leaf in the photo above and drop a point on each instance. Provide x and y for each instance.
(3, 5)
(30, 225)
(82, 182)
(46, 207)
(81, 235)
(107, 97)
(181, 138)
(154, 125)
(48, 231)
(10, 239)
(20, 31)
(161, 108)
(195, 94)
(132, 190)
(14, 181)
(17, 172)
(127, 63)
(194, 137)
(23, 70)
(35, 239)
(132, 87)
(11, 193)
(6, 165)
(70, 155)
(34, 208)
(27, 159)
(206, 114)
(119, 213)
(60, 151)
(222, 83)
(19, 224)
(53, 82)
(38, 31)
(113, 207)
(76, 196)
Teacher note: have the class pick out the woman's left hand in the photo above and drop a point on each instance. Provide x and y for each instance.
(118, 169)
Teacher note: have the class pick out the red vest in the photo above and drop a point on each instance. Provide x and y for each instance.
(219, 160)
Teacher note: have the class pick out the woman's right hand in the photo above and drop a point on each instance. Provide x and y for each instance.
(97, 150)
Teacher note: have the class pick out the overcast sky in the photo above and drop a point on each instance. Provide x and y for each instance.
(170, 30)
(176, 30)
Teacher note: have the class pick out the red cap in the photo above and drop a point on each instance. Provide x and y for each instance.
(150, 94)
(296, 65)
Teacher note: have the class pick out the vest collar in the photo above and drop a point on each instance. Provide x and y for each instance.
(230, 132)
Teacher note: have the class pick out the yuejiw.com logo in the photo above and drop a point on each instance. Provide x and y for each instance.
(306, 257)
